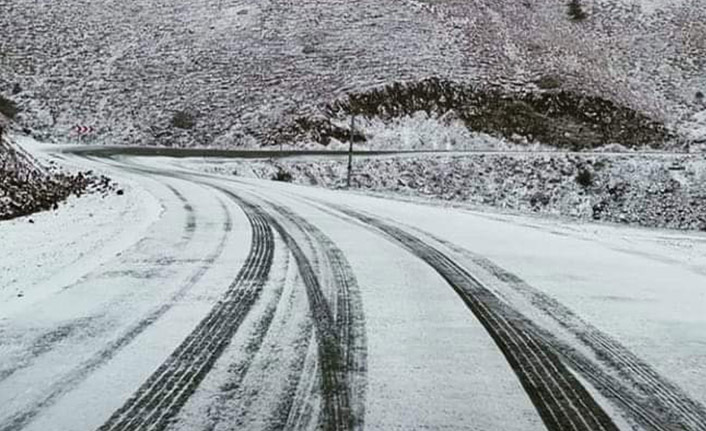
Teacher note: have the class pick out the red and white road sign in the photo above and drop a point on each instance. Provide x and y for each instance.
(84, 130)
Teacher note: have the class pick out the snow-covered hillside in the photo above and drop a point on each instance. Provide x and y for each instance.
(239, 69)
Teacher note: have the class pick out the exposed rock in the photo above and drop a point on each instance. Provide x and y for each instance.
(27, 187)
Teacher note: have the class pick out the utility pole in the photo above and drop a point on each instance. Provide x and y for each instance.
(350, 151)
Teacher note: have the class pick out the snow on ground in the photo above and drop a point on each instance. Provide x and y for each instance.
(241, 68)
(411, 317)
(695, 130)
(643, 287)
(429, 363)
(85, 232)
(116, 281)
(648, 190)
(423, 132)
(31, 183)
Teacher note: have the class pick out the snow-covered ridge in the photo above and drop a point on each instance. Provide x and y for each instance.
(242, 68)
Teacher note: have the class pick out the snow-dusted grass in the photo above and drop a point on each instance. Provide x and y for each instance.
(695, 131)
(244, 68)
(664, 191)
(421, 131)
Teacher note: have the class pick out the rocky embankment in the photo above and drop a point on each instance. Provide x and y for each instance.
(653, 191)
(27, 187)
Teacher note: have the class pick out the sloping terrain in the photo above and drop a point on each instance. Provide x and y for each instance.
(26, 186)
(648, 190)
(560, 118)
(237, 71)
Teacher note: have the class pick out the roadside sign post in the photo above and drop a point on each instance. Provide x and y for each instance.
(350, 152)
(82, 132)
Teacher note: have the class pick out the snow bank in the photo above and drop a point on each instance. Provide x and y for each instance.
(694, 131)
(26, 186)
(655, 191)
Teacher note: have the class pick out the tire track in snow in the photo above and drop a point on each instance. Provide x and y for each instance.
(288, 404)
(647, 397)
(348, 312)
(337, 414)
(257, 355)
(190, 229)
(560, 399)
(161, 397)
(336, 360)
(46, 342)
(80, 373)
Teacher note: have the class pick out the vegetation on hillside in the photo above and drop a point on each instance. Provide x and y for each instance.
(560, 118)
(8, 107)
(576, 12)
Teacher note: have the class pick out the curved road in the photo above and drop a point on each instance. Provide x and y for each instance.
(202, 302)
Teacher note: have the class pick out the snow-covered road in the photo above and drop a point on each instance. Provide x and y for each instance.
(195, 301)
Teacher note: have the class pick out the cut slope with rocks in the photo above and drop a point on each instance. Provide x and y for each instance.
(27, 187)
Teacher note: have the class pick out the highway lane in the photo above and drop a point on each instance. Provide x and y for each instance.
(251, 304)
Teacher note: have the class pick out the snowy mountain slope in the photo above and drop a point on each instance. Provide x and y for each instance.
(241, 68)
